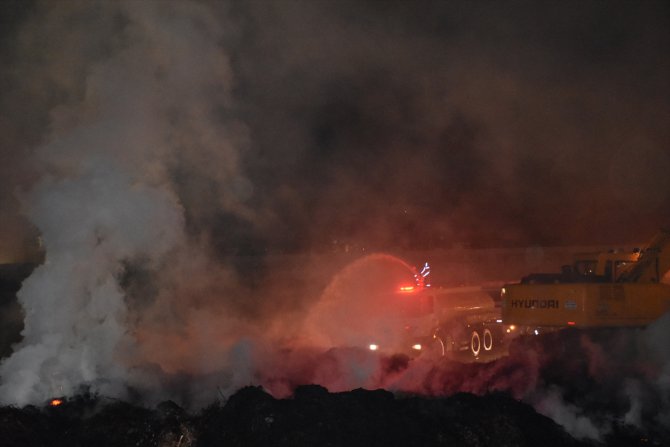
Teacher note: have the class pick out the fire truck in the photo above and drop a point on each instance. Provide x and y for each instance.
(442, 321)
(464, 320)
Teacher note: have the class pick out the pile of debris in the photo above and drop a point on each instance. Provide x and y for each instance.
(570, 361)
(313, 416)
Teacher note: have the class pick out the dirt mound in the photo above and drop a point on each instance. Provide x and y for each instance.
(313, 416)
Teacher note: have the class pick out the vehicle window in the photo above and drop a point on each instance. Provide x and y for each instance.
(585, 268)
(417, 306)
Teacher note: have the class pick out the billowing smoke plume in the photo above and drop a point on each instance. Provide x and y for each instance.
(142, 97)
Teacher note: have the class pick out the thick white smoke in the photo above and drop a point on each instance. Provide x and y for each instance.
(571, 417)
(75, 309)
(148, 97)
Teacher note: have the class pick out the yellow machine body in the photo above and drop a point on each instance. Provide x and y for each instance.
(615, 290)
(584, 304)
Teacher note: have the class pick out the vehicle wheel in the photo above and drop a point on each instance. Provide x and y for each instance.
(475, 343)
(488, 340)
(439, 348)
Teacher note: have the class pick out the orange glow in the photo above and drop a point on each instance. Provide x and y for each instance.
(55, 402)
(407, 288)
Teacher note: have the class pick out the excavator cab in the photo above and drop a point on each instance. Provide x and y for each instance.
(605, 266)
(589, 268)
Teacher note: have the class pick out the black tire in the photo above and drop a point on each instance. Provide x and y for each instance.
(475, 343)
(487, 338)
(439, 348)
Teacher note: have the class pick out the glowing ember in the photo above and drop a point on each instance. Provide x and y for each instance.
(56, 402)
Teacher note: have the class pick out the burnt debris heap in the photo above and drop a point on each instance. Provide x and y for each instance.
(313, 416)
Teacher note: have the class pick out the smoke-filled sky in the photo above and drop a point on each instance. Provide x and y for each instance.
(379, 124)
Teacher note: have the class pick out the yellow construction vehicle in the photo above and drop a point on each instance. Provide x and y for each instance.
(613, 289)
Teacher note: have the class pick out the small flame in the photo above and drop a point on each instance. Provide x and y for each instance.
(406, 288)
(56, 402)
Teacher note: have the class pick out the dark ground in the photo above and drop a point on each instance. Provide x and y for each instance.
(312, 417)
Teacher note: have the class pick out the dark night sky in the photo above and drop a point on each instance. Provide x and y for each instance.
(388, 124)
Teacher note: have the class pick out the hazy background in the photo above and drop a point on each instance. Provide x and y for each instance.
(381, 124)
